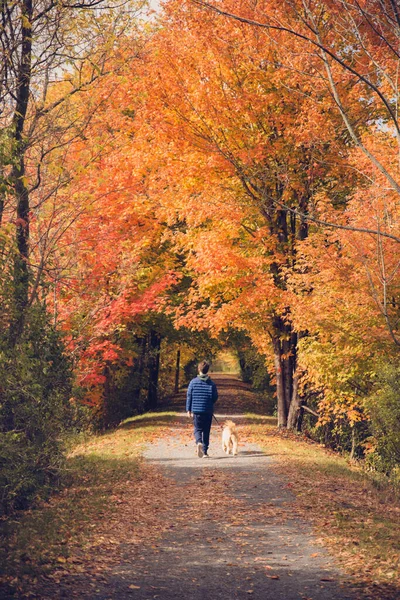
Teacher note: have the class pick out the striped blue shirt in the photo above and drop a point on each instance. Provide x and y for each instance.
(201, 396)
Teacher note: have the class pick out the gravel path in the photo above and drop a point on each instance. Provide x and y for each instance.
(231, 532)
(246, 553)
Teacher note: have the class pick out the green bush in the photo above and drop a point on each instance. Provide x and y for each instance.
(34, 412)
(339, 435)
(384, 410)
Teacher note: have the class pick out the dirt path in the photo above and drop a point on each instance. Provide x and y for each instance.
(250, 547)
(230, 529)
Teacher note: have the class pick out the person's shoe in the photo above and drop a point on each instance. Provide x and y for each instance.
(199, 449)
(206, 455)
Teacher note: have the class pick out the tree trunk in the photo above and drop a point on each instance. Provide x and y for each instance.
(154, 367)
(1, 207)
(138, 369)
(177, 367)
(106, 418)
(284, 339)
(280, 388)
(284, 344)
(300, 418)
(294, 410)
(353, 443)
(287, 228)
(21, 272)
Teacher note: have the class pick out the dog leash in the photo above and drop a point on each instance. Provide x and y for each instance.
(217, 420)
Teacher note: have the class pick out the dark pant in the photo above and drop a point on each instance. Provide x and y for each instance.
(202, 426)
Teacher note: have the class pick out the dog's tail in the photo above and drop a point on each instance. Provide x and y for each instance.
(230, 424)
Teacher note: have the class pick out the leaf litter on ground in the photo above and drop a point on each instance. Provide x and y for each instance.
(117, 506)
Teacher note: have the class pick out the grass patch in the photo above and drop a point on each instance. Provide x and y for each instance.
(165, 416)
(152, 419)
(354, 517)
(98, 471)
(264, 420)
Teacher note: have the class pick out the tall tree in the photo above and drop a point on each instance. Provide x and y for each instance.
(41, 41)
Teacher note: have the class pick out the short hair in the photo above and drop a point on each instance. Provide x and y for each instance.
(203, 367)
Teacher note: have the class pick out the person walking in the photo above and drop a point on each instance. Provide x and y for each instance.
(201, 396)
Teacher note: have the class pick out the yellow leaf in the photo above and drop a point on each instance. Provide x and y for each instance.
(61, 559)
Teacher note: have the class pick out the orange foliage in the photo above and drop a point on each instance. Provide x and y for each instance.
(213, 156)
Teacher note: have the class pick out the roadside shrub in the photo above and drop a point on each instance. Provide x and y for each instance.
(35, 387)
(339, 435)
(384, 411)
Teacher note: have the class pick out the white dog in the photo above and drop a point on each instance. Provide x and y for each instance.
(229, 438)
